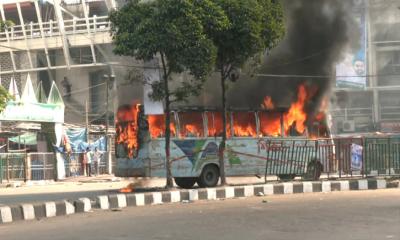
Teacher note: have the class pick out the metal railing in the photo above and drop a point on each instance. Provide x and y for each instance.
(74, 165)
(12, 166)
(334, 158)
(52, 29)
(41, 166)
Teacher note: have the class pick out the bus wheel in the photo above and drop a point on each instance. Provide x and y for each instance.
(286, 177)
(185, 182)
(314, 170)
(209, 176)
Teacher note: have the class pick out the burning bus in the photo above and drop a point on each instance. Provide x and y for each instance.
(268, 140)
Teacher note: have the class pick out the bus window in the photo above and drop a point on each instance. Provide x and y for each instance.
(191, 124)
(157, 126)
(126, 131)
(214, 120)
(270, 123)
(244, 124)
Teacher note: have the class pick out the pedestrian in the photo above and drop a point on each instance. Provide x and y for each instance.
(96, 160)
(88, 156)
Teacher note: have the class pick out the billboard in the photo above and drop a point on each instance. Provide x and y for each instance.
(351, 70)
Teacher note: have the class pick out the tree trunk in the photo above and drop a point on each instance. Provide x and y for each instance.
(169, 183)
(223, 142)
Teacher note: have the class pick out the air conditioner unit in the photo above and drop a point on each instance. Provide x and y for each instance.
(349, 126)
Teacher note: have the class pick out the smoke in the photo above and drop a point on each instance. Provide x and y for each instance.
(317, 33)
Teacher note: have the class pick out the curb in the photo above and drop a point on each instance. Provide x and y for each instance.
(9, 214)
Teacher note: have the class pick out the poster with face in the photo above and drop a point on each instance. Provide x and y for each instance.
(351, 70)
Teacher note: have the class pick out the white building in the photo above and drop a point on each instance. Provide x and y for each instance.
(67, 41)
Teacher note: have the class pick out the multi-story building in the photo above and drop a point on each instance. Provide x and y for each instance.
(68, 41)
(375, 106)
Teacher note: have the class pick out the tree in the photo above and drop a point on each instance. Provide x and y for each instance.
(176, 32)
(254, 26)
(4, 98)
(5, 24)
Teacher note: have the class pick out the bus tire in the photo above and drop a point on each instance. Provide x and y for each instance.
(185, 182)
(286, 177)
(209, 176)
(314, 170)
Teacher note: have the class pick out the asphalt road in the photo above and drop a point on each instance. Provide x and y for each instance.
(340, 215)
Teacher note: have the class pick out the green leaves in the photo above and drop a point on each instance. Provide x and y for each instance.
(254, 26)
(5, 24)
(176, 29)
(4, 98)
(196, 35)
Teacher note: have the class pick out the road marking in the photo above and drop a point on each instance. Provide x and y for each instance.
(287, 188)
(269, 189)
(175, 196)
(28, 211)
(121, 200)
(50, 209)
(193, 195)
(307, 187)
(326, 187)
(211, 194)
(139, 199)
(249, 191)
(229, 192)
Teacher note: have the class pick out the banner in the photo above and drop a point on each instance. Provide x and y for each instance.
(351, 71)
(25, 139)
(33, 112)
(77, 139)
(356, 157)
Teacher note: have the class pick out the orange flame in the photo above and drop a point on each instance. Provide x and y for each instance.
(244, 123)
(296, 116)
(127, 128)
(270, 124)
(157, 126)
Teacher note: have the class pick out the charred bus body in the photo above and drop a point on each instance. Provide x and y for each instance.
(260, 142)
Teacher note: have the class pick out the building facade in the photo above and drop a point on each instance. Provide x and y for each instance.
(68, 41)
(374, 107)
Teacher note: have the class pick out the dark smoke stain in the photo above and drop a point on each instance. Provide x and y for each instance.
(317, 32)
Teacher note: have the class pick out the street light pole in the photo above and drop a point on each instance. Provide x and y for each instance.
(109, 79)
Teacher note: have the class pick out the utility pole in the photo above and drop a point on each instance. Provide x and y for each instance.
(109, 79)
(87, 120)
(107, 116)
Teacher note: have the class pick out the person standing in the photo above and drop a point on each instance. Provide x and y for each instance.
(97, 160)
(88, 156)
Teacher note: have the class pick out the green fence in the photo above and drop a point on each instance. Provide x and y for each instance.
(382, 155)
(12, 166)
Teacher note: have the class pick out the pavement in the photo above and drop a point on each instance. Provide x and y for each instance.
(347, 215)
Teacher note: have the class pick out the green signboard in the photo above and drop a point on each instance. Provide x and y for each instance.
(33, 112)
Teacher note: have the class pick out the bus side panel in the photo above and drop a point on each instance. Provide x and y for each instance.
(133, 167)
(243, 158)
(249, 156)
(188, 156)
